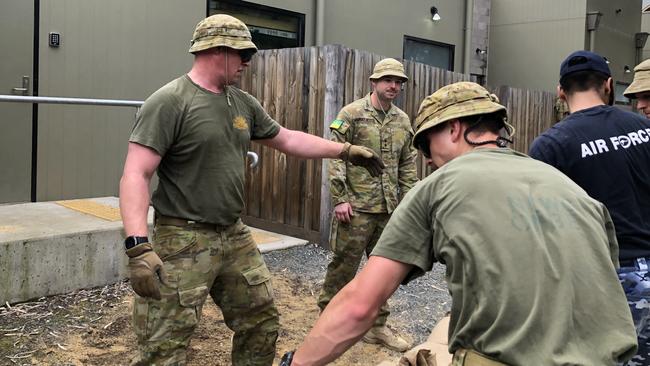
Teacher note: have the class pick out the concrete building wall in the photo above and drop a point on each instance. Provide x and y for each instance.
(645, 27)
(480, 36)
(123, 51)
(380, 27)
(620, 21)
(529, 39)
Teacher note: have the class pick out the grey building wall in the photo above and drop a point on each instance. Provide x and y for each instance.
(645, 27)
(379, 27)
(530, 38)
(122, 51)
(620, 21)
(480, 36)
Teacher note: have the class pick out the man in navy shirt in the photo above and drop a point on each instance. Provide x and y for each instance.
(606, 151)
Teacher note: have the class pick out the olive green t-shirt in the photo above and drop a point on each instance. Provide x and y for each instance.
(203, 139)
(530, 260)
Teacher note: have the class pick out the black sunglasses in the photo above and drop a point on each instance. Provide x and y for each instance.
(247, 54)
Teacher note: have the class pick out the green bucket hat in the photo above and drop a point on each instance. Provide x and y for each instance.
(388, 67)
(457, 100)
(221, 30)
(641, 81)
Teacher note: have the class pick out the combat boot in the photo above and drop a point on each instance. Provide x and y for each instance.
(386, 337)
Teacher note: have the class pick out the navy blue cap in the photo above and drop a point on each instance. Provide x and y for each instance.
(583, 61)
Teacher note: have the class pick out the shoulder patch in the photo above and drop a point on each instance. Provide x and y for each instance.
(336, 124)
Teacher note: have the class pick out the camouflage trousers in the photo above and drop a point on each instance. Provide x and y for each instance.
(348, 242)
(635, 280)
(198, 261)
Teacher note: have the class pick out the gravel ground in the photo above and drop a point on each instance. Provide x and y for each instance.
(36, 332)
(416, 308)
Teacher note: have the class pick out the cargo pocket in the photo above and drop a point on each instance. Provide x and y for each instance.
(258, 280)
(172, 242)
(191, 301)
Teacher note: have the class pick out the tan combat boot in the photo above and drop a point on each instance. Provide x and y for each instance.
(386, 337)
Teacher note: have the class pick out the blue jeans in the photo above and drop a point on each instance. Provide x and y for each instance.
(635, 280)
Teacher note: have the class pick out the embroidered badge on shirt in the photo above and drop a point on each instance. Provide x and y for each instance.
(240, 123)
(336, 124)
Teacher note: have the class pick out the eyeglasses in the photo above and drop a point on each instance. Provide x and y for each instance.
(247, 54)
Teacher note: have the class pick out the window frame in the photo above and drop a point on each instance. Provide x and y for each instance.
(451, 47)
(269, 9)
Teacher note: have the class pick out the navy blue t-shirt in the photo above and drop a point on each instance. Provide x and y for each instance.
(606, 151)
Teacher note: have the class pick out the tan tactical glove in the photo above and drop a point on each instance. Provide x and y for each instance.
(362, 156)
(144, 265)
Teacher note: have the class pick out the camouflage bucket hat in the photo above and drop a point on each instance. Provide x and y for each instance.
(221, 30)
(454, 101)
(388, 67)
(641, 81)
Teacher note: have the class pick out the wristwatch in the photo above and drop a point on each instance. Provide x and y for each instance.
(287, 359)
(132, 241)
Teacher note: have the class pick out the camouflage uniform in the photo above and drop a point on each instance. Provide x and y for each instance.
(372, 199)
(635, 280)
(561, 109)
(224, 263)
(204, 246)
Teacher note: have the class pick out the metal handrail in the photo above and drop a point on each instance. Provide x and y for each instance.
(63, 100)
(88, 101)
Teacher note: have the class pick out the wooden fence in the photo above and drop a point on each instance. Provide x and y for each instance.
(529, 111)
(303, 89)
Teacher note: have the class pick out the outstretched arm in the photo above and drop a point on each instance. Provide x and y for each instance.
(351, 312)
(304, 145)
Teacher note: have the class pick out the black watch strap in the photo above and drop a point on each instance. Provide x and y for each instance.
(132, 241)
(287, 359)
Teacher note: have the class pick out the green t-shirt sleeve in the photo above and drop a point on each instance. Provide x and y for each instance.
(263, 126)
(408, 235)
(157, 122)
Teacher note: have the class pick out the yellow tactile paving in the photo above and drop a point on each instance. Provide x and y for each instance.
(261, 238)
(9, 228)
(89, 207)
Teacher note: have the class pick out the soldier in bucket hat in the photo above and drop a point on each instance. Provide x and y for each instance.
(194, 133)
(640, 88)
(530, 257)
(362, 204)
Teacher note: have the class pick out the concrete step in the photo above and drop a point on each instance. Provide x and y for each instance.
(48, 248)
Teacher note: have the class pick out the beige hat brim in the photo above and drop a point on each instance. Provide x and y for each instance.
(464, 109)
(641, 83)
(224, 41)
(379, 75)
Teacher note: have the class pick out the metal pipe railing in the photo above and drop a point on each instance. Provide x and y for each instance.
(63, 100)
(88, 101)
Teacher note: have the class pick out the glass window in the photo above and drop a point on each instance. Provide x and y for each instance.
(428, 52)
(270, 27)
(619, 98)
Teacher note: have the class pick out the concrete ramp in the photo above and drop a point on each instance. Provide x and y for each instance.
(48, 248)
